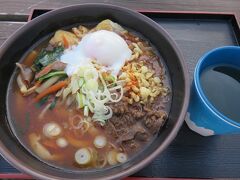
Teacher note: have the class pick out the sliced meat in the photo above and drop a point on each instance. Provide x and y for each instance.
(137, 131)
(123, 108)
(135, 124)
(50, 47)
(137, 111)
(56, 65)
(141, 133)
(142, 136)
(120, 107)
(129, 37)
(126, 136)
(154, 120)
(110, 130)
(130, 145)
(144, 58)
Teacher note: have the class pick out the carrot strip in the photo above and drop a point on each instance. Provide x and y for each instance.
(77, 143)
(51, 90)
(65, 42)
(50, 144)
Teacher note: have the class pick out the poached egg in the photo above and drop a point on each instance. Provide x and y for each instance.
(106, 47)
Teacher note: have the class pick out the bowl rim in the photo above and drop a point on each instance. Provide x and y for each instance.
(24, 167)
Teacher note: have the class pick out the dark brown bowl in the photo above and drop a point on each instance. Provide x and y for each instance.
(14, 48)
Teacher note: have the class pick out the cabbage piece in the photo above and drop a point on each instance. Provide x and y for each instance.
(60, 35)
(110, 26)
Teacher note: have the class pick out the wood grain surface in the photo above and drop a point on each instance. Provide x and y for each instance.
(7, 29)
(190, 155)
(24, 6)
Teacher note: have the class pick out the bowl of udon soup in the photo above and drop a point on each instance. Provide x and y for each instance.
(89, 91)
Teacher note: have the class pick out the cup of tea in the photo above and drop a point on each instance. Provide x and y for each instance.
(215, 94)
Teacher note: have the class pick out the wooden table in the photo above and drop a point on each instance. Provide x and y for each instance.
(211, 156)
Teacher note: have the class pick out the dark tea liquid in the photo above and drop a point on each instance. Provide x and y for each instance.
(221, 85)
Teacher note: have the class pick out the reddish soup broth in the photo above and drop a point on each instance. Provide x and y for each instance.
(26, 121)
(60, 132)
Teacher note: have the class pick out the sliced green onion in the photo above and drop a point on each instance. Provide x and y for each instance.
(90, 106)
(90, 73)
(62, 142)
(85, 111)
(74, 84)
(100, 141)
(111, 157)
(66, 92)
(80, 82)
(80, 100)
(92, 85)
(51, 129)
(83, 156)
(121, 157)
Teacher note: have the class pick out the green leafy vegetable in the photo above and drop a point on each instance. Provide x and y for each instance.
(46, 57)
(53, 104)
(42, 101)
(27, 121)
(51, 74)
(24, 127)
